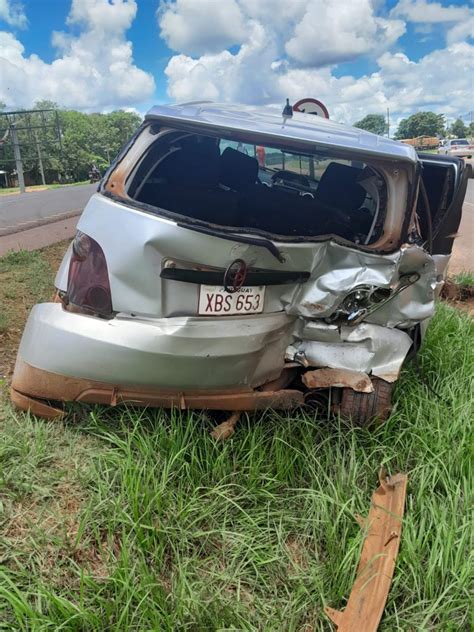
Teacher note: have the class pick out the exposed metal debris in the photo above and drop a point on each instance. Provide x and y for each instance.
(383, 528)
(227, 428)
(368, 348)
(325, 378)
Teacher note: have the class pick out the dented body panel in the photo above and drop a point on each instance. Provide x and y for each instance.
(328, 303)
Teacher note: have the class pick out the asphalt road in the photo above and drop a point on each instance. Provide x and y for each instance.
(463, 250)
(20, 211)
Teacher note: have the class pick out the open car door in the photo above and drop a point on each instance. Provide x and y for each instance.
(445, 180)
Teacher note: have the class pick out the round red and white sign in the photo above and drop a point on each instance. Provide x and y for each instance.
(311, 106)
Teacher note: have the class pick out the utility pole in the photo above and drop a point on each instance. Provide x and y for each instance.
(18, 161)
(388, 122)
(40, 159)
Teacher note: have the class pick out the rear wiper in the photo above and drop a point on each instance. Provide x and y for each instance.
(254, 241)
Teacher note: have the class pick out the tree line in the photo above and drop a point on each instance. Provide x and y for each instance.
(419, 124)
(83, 140)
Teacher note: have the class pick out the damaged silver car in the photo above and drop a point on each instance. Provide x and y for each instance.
(236, 259)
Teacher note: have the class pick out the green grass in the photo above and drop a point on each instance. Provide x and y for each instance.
(4, 322)
(464, 279)
(22, 273)
(137, 520)
(35, 187)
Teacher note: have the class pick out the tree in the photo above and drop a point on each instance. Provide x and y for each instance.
(374, 123)
(458, 129)
(86, 139)
(421, 124)
(45, 104)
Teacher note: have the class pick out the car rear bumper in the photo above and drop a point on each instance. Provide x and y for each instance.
(33, 389)
(461, 153)
(179, 353)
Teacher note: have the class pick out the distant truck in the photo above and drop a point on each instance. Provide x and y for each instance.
(422, 142)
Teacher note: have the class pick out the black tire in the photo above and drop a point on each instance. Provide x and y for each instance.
(364, 409)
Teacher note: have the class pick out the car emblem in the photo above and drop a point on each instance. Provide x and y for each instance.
(235, 275)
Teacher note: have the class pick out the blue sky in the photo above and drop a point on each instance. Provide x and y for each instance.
(358, 57)
(149, 51)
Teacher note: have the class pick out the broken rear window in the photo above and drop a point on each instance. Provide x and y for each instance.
(266, 189)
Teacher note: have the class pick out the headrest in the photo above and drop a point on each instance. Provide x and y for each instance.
(339, 187)
(193, 164)
(237, 170)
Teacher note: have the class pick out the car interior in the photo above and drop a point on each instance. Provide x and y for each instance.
(220, 182)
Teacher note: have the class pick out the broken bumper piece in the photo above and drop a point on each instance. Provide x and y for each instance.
(383, 528)
(34, 389)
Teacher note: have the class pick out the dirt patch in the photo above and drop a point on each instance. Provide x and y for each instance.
(54, 517)
(298, 554)
(459, 296)
(26, 278)
(98, 557)
(48, 531)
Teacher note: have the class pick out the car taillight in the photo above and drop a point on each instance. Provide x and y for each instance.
(88, 280)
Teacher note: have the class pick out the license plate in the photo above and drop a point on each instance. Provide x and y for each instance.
(215, 301)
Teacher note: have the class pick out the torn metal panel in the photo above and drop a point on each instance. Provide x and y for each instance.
(325, 378)
(338, 270)
(377, 561)
(372, 349)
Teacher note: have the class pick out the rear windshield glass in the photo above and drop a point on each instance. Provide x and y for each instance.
(460, 141)
(267, 189)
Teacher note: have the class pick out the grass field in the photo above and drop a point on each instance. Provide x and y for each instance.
(122, 519)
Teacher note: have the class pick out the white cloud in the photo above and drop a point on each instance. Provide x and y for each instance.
(425, 11)
(207, 26)
(94, 69)
(291, 48)
(440, 81)
(332, 31)
(225, 75)
(13, 13)
(312, 32)
(458, 18)
(461, 31)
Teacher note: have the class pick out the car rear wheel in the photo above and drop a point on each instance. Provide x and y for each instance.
(364, 409)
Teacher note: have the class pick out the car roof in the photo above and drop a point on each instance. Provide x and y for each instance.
(267, 122)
